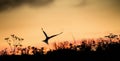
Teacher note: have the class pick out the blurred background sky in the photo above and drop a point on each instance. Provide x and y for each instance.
(80, 18)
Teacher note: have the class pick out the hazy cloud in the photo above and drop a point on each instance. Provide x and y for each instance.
(102, 2)
(8, 4)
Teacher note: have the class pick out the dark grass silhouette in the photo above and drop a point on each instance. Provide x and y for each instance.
(67, 54)
(100, 50)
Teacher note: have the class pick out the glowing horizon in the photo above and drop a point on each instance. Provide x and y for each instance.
(93, 19)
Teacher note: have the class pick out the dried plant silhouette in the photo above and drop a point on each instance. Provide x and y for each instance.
(90, 49)
(14, 42)
(111, 36)
(49, 37)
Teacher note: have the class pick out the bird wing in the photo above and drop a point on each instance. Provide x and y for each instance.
(44, 33)
(55, 35)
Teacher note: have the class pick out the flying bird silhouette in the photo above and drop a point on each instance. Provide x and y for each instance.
(49, 37)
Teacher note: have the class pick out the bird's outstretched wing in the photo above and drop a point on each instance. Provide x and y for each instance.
(44, 33)
(55, 35)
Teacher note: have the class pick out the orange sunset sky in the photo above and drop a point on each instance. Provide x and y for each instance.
(80, 18)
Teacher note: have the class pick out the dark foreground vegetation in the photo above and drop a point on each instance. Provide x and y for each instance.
(86, 50)
(111, 52)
